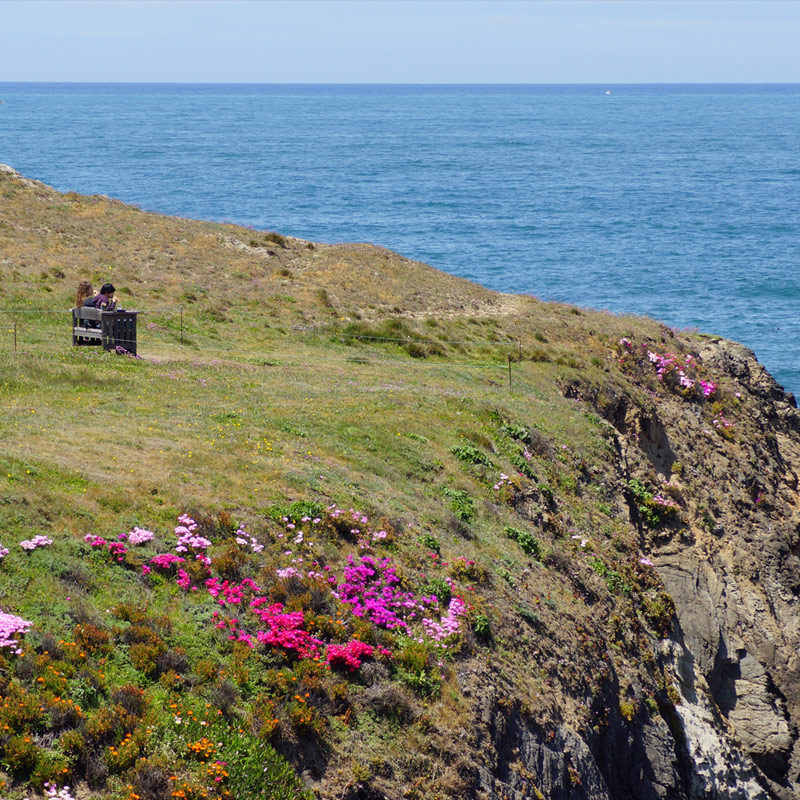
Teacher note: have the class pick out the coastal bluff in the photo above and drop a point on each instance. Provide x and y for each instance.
(433, 541)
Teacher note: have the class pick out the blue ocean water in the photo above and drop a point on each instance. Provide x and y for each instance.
(680, 202)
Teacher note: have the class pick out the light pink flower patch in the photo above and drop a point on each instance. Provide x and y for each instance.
(140, 536)
(37, 541)
(10, 627)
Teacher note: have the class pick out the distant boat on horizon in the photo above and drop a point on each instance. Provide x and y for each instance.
(608, 91)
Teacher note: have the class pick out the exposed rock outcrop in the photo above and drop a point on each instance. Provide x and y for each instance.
(733, 572)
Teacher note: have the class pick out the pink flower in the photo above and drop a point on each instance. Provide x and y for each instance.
(708, 388)
(348, 655)
(140, 536)
(10, 627)
(37, 541)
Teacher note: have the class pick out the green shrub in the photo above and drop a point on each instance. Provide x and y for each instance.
(73, 745)
(522, 465)
(50, 768)
(652, 512)
(21, 710)
(614, 581)
(413, 655)
(529, 615)
(103, 725)
(429, 542)
(659, 611)
(464, 569)
(470, 455)
(515, 431)
(507, 577)
(91, 638)
(276, 238)
(144, 656)
(131, 698)
(482, 627)
(423, 681)
(527, 541)
(439, 587)
(20, 756)
(461, 504)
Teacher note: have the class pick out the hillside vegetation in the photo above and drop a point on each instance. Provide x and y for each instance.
(350, 527)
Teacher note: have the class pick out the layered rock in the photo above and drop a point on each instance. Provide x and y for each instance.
(732, 572)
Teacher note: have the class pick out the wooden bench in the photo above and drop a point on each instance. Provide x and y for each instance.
(111, 329)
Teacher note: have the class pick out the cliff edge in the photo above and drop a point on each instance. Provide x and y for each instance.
(353, 528)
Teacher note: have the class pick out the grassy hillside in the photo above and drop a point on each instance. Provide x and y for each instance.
(384, 410)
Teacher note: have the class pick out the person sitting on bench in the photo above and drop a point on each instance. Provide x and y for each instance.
(104, 300)
(85, 292)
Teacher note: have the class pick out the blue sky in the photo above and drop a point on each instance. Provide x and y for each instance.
(401, 41)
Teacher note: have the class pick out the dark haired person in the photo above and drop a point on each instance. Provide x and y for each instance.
(104, 300)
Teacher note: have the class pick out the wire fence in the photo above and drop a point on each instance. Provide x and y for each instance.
(340, 334)
(20, 335)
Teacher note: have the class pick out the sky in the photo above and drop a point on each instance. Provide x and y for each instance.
(401, 41)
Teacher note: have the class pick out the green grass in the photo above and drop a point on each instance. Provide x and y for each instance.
(98, 443)
(281, 402)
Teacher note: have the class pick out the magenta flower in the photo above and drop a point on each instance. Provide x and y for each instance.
(348, 655)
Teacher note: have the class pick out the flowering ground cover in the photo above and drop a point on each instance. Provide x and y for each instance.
(288, 616)
(298, 646)
(683, 375)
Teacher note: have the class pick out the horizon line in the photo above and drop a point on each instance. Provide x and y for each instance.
(399, 83)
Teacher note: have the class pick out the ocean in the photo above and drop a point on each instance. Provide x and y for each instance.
(680, 202)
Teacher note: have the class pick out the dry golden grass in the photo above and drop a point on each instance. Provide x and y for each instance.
(51, 241)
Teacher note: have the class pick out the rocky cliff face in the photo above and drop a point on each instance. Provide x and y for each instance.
(735, 581)
(733, 571)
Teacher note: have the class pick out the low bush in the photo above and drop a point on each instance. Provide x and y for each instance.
(528, 543)
(461, 503)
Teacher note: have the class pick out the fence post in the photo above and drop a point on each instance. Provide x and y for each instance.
(509, 373)
(15, 338)
(181, 324)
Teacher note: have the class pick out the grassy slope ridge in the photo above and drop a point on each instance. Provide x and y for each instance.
(314, 376)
